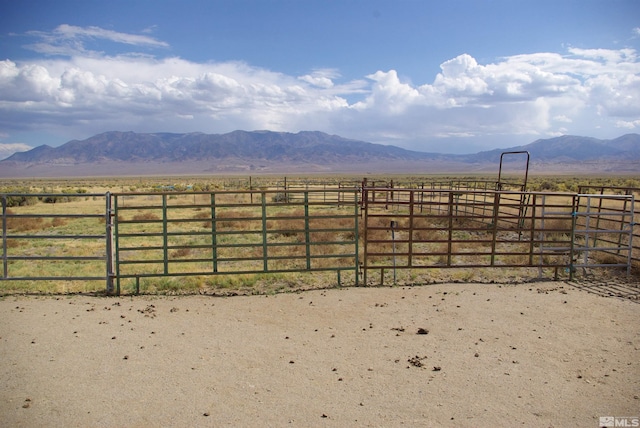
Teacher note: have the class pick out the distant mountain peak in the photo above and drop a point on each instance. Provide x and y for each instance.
(312, 146)
(305, 151)
(572, 148)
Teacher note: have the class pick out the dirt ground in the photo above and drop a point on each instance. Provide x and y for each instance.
(545, 354)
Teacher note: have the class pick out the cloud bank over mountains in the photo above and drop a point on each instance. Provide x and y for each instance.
(74, 90)
(7, 150)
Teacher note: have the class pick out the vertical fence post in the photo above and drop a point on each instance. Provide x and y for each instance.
(574, 220)
(496, 218)
(165, 237)
(117, 242)
(109, 242)
(394, 226)
(307, 236)
(265, 264)
(411, 226)
(365, 203)
(532, 235)
(631, 225)
(214, 235)
(449, 243)
(356, 234)
(4, 237)
(588, 227)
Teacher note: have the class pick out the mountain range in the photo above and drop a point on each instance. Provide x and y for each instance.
(129, 153)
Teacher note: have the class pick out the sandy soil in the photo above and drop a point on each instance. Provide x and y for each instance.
(535, 355)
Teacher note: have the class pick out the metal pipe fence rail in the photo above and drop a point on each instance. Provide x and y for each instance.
(233, 233)
(426, 229)
(340, 193)
(60, 243)
(619, 218)
(121, 239)
(433, 189)
(605, 223)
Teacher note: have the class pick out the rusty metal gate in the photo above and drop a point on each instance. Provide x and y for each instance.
(427, 229)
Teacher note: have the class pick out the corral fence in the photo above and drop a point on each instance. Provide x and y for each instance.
(469, 228)
(123, 239)
(235, 233)
(69, 240)
(602, 213)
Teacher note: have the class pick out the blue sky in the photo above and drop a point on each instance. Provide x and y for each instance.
(454, 76)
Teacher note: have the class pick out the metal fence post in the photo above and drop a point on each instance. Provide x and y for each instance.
(574, 222)
(165, 237)
(265, 260)
(117, 242)
(394, 225)
(109, 242)
(357, 237)
(450, 231)
(307, 236)
(632, 223)
(496, 219)
(365, 203)
(532, 235)
(411, 226)
(214, 228)
(4, 237)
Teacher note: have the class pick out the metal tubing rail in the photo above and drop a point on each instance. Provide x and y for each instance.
(633, 222)
(475, 229)
(9, 219)
(235, 232)
(270, 231)
(604, 217)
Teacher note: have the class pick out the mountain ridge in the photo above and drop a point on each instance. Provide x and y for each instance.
(115, 152)
(571, 147)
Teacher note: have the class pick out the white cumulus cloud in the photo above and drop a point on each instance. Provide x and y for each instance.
(538, 94)
(321, 78)
(7, 150)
